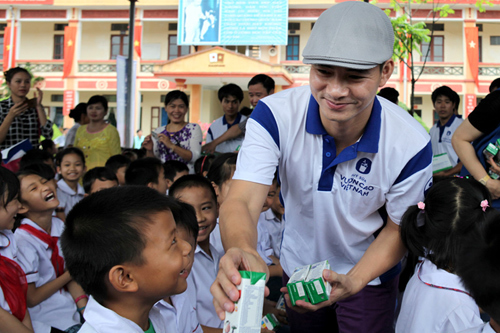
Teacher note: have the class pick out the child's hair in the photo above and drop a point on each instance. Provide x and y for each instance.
(38, 169)
(106, 229)
(97, 173)
(131, 154)
(47, 144)
(203, 163)
(448, 92)
(221, 168)
(230, 89)
(451, 210)
(479, 266)
(495, 84)
(116, 162)
(99, 99)
(67, 151)
(175, 95)
(77, 112)
(189, 181)
(9, 186)
(143, 172)
(172, 167)
(390, 94)
(266, 81)
(185, 217)
(34, 156)
(9, 74)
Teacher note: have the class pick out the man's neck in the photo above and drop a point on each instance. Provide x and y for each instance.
(230, 120)
(42, 219)
(443, 121)
(132, 310)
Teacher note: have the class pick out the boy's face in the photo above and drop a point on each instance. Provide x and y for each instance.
(270, 197)
(184, 234)
(164, 269)
(230, 105)
(444, 107)
(38, 194)
(8, 212)
(102, 185)
(71, 168)
(205, 207)
(276, 206)
(120, 174)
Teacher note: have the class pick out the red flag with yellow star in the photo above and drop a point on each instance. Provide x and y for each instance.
(69, 49)
(7, 46)
(471, 41)
(137, 39)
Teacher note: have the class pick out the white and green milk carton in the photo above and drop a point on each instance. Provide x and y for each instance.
(247, 314)
(296, 285)
(270, 322)
(318, 289)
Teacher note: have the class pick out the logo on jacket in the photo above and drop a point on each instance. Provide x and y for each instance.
(364, 166)
(448, 133)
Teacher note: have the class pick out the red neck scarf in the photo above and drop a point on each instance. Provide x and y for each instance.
(14, 286)
(56, 259)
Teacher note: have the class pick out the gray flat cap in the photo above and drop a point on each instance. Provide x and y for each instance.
(351, 34)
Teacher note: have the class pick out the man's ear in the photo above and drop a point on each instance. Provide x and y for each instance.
(121, 278)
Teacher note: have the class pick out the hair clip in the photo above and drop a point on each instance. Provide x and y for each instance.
(421, 206)
(484, 204)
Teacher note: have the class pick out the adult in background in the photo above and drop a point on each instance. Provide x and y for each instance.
(98, 140)
(138, 139)
(179, 140)
(479, 129)
(349, 164)
(259, 87)
(21, 118)
(79, 115)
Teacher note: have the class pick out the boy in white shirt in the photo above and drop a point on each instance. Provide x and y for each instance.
(180, 310)
(121, 244)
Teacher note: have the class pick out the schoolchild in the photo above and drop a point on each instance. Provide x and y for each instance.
(199, 193)
(445, 101)
(174, 170)
(13, 285)
(180, 310)
(147, 172)
(274, 220)
(118, 164)
(230, 97)
(121, 244)
(479, 268)
(435, 299)
(99, 178)
(53, 298)
(71, 167)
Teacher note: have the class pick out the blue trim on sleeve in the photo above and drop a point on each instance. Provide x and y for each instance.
(264, 116)
(313, 120)
(419, 162)
(209, 132)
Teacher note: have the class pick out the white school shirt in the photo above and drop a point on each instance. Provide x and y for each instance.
(483, 328)
(219, 127)
(433, 309)
(216, 240)
(264, 246)
(181, 317)
(8, 249)
(274, 227)
(202, 276)
(332, 204)
(59, 310)
(99, 319)
(441, 138)
(67, 197)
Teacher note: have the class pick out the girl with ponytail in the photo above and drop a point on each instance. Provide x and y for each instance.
(435, 299)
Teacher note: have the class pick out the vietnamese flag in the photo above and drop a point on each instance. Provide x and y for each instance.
(137, 39)
(69, 49)
(7, 46)
(471, 41)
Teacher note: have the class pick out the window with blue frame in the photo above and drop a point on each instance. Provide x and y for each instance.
(292, 49)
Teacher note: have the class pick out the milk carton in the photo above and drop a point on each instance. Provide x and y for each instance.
(247, 314)
(296, 286)
(318, 289)
(270, 322)
(280, 305)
